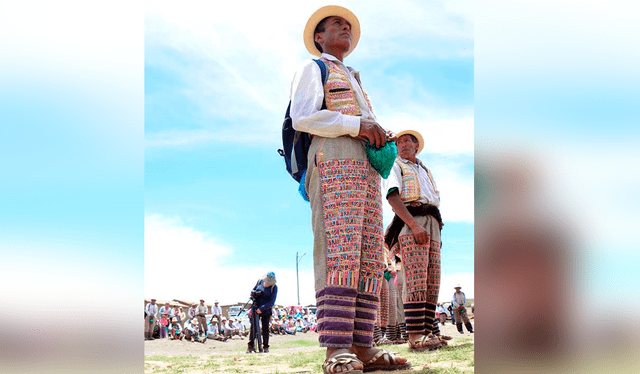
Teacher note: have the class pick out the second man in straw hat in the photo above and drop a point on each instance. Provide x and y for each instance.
(415, 233)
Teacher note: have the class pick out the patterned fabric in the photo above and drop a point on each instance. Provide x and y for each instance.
(422, 280)
(383, 315)
(366, 307)
(338, 93)
(410, 184)
(435, 329)
(336, 314)
(352, 217)
(350, 187)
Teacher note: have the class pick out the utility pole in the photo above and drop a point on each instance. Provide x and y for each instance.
(297, 278)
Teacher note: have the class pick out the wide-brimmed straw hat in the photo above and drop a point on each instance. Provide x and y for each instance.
(417, 135)
(329, 11)
(457, 286)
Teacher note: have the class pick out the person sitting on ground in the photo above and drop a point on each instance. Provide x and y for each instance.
(191, 331)
(310, 326)
(300, 327)
(290, 326)
(278, 326)
(243, 330)
(175, 330)
(213, 332)
(229, 329)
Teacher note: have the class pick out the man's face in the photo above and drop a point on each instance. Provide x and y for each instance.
(457, 289)
(406, 147)
(337, 34)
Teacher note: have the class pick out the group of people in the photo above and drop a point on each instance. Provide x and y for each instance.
(171, 322)
(352, 252)
(290, 326)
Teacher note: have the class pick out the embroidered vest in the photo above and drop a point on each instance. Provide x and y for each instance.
(410, 183)
(338, 93)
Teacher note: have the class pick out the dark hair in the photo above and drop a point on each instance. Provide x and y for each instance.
(319, 28)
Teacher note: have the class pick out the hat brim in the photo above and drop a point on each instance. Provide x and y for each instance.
(329, 11)
(417, 135)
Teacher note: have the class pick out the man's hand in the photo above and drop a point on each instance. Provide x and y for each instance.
(420, 234)
(258, 311)
(373, 132)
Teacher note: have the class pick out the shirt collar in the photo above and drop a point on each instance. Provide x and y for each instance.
(335, 59)
(408, 161)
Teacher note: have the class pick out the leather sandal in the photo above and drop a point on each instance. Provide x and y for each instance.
(384, 360)
(342, 359)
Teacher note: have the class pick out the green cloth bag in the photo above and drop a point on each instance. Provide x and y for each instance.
(382, 158)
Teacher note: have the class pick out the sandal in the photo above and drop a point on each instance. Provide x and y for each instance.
(417, 346)
(431, 344)
(388, 362)
(425, 344)
(329, 365)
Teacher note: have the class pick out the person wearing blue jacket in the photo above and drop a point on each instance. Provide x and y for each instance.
(264, 297)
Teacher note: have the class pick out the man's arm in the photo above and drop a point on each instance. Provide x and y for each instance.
(307, 95)
(419, 233)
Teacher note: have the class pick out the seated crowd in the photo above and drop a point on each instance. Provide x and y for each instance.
(174, 324)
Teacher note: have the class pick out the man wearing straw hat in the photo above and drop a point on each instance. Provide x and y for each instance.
(414, 197)
(459, 303)
(344, 192)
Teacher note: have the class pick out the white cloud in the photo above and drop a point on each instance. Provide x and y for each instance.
(184, 263)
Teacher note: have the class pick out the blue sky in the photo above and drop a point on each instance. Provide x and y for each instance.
(216, 89)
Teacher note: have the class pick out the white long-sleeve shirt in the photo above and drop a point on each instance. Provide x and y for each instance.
(307, 94)
(458, 299)
(151, 309)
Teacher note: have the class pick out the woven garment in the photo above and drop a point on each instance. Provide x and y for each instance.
(338, 93)
(421, 264)
(344, 191)
(383, 315)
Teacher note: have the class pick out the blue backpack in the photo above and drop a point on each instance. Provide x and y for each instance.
(296, 144)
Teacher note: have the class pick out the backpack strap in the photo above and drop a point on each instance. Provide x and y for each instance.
(323, 74)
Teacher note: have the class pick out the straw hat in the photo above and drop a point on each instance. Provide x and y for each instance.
(417, 135)
(328, 11)
(457, 286)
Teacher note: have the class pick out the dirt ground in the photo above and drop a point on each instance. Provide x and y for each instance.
(233, 346)
(230, 356)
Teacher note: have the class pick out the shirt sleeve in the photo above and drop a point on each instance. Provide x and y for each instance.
(393, 181)
(307, 94)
